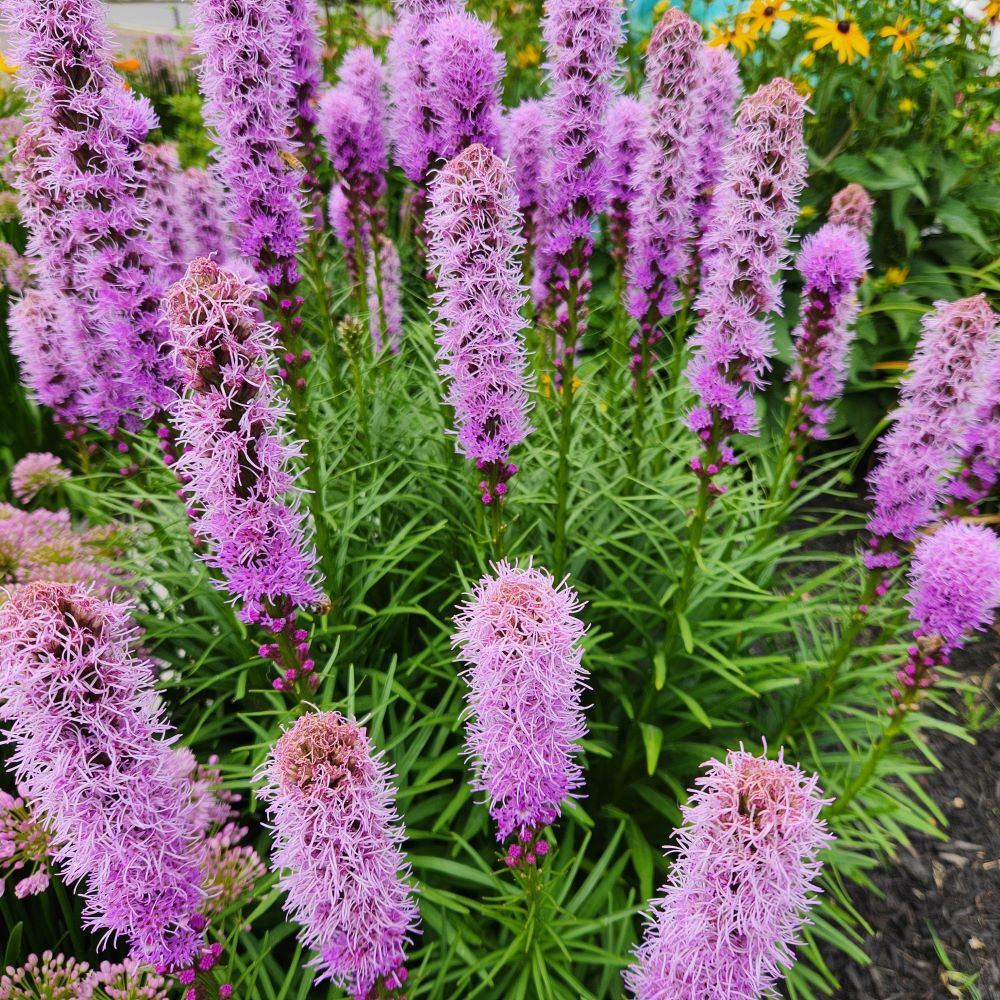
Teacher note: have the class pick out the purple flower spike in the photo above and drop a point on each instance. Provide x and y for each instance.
(307, 76)
(742, 880)
(464, 71)
(338, 845)
(525, 141)
(666, 180)
(164, 210)
(236, 461)
(388, 282)
(832, 262)
(628, 120)
(852, 206)
(85, 725)
(935, 408)
(473, 247)
(520, 636)
(979, 467)
(756, 208)
(204, 217)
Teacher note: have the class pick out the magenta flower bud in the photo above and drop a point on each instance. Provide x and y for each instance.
(628, 120)
(248, 512)
(852, 206)
(85, 723)
(520, 636)
(338, 845)
(165, 211)
(473, 243)
(742, 880)
(205, 231)
(979, 463)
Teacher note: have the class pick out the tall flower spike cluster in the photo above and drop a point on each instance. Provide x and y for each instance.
(742, 880)
(246, 79)
(520, 636)
(306, 71)
(756, 207)
(525, 141)
(935, 408)
(92, 750)
(206, 230)
(954, 590)
(852, 206)
(338, 844)
(666, 182)
(165, 211)
(978, 468)
(385, 305)
(236, 464)
(464, 71)
(628, 120)
(89, 167)
(473, 243)
(832, 263)
(582, 38)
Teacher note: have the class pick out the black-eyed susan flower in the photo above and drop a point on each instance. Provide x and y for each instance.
(738, 36)
(907, 106)
(762, 16)
(843, 36)
(992, 11)
(904, 38)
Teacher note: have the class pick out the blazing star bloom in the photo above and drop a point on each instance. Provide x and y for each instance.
(979, 465)
(742, 880)
(525, 141)
(54, 977)
(520, 636)
(236, 461)
(91, 175)
(338, 844)
(464, 71)
(666, 181)
(92, 751)
(385, 304)
(628, 120)
(852, 206)
(832, 262)
(164, 210)
(756, 208)
(306, 67)
(473, 247)
(204, 221)
(37, 471)
(936, 405)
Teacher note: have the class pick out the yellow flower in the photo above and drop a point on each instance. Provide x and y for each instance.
(896, 275)
(6, 67)
(808, 60)
(931, 64)
(916, 72)
(738, 37)
(903, 37)
(907, 106)
(808, 211)
(661, 8)
(130, 65)
(762, 16)
(843, 36)
(802, 86)
(993, 10)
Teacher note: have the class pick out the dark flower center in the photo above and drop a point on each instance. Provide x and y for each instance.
(843, 27)
(768, 12)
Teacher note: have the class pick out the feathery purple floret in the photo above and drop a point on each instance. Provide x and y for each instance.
(520, 636)
(755, 210)
(832, 263)
(204, 219)
(338, 844)
(979, 465)
(852, 206)
(955, 581)
(89, 132)
(388, 309)
(628, 120)
(164, 210)
(666, 182)
(464, 71)
(473, 243)
(92, 749)
(525, 141)
(236, 461)
(306, 71)
(936, 407)
(742, 880)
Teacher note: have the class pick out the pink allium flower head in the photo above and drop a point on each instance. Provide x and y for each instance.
(955, 581)
(832, 263)
(935, 409)
(205, 230)
(246, 79)
(465, 71)
(25, 846)
(473, 247)
(391, 304)
(628, 120)
(231, 869)
(236, 461)
(756, 207)
(54, 977)
(338, 844)
(37, 471)
(666, 179)
(92, 750)
(742, 880)
(719, 88)
(128, 980)
(979, 468)
(525, 140)
(89, 171)
(852, 206)
(520, 636)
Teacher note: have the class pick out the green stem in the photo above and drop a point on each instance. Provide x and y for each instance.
(875, 755)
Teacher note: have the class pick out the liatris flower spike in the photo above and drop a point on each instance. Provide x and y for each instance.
(236, 465)
(954, 590)
(742, 880)
(525, 141)
(167, 233)
(979, 466)
(756, 208)
(473, 243)
(206, 233)
(37, 471)
(306, 70)
(628, 119)
(852, 206)
(92, 751)
(338, 844)
(520, 636)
